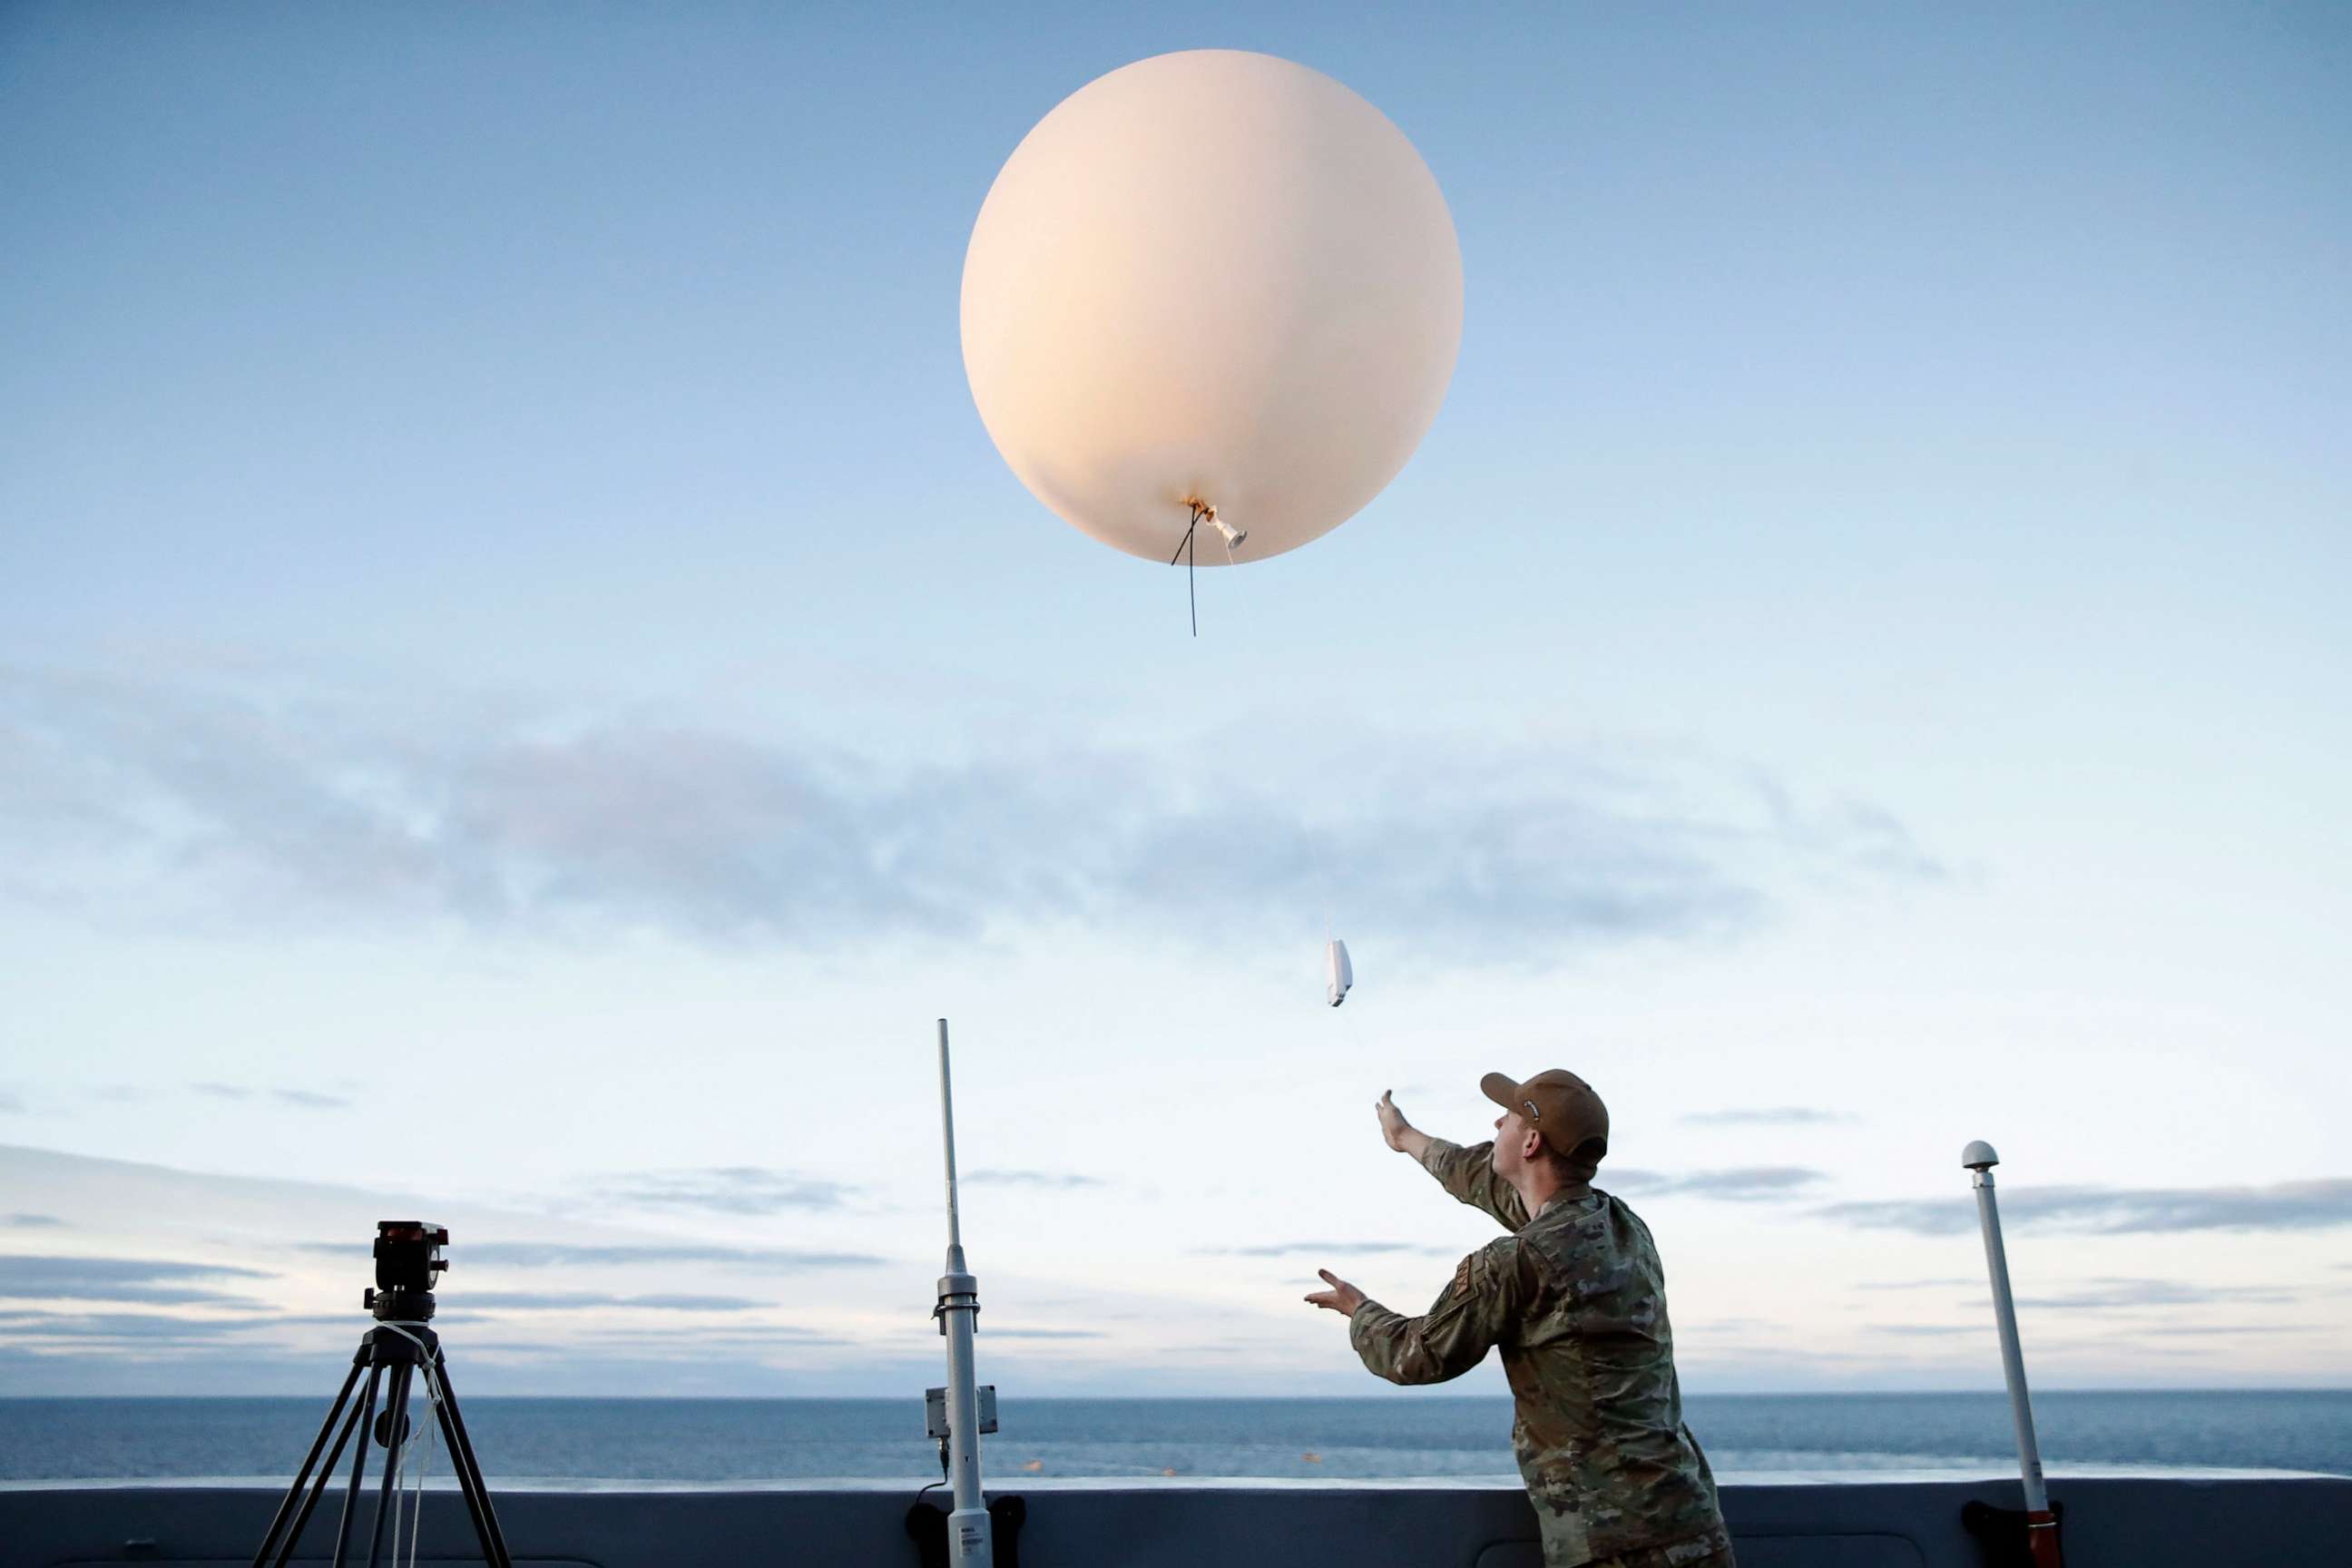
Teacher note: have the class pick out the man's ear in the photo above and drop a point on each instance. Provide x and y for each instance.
(1531, 1145)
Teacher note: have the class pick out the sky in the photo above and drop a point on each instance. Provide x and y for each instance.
(525, 691)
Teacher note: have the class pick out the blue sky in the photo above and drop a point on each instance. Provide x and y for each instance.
(524, 687)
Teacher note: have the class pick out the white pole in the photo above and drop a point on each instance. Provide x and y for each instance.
(968, 1526)
(2041, 1525)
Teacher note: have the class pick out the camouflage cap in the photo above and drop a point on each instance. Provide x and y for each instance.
(1562, 1106)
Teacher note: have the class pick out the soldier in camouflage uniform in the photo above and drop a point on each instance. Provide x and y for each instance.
(1575, 1299)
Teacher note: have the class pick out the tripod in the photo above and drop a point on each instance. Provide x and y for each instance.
(398, 1352)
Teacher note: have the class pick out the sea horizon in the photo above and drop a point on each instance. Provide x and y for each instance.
(568, 1439)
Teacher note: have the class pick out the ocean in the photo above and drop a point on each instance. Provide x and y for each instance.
(750, 1440)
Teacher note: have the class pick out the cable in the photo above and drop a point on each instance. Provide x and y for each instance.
(944, 1470)
(428, 1437)
(418, 1431)
(396, 1459)
(1187, 535)
(1184, 548)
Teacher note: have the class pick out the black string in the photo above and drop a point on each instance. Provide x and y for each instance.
(1184, 548)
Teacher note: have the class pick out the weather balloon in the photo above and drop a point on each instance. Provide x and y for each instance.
(1213, 298)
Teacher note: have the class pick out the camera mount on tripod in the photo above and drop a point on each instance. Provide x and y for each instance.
(408, 1257)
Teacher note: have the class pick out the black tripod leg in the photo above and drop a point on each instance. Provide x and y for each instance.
(302, 1476)
(395, 1415)
(318, 1489)
(477, 1502)
(469, 1472)
(358, 1462)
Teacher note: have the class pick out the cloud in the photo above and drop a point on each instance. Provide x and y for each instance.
(2104, 1293)
(1031, 1179)
(1738, 1184)
(567, 1301)
(11, 1102)
(1329, 1249)
(307, 1099)
(682, 1341)
(1004, 1333)
(248, 809)
(357, 1321)
(573, 1255)
(2117, 1211)
(729, 1189)
(26, 1277)
(1936, 1284)
(1850, 833)
(31, 1221)
(1767, 1116)
(115, 1327)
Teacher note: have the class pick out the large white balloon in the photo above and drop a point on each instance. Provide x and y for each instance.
(1213, 277)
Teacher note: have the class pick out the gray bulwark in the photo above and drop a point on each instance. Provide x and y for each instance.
(2151, 1522)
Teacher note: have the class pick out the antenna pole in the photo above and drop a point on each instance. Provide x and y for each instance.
(946, 1138)
(969, 1538)
(2040, 1524)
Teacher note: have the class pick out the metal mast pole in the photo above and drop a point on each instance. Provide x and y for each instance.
(969, 1541)
(2040, 1524)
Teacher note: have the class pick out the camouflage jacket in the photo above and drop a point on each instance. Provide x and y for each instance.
(1575, 1299)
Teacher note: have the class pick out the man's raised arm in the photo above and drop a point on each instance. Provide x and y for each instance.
(1467, 1173)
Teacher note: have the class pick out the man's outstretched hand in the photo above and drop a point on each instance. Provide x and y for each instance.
(1342, 1298)
(1403, 1136)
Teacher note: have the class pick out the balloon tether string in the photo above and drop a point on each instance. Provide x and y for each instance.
(1184, 548)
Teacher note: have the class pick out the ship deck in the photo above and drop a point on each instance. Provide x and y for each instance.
(2119, 1520)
